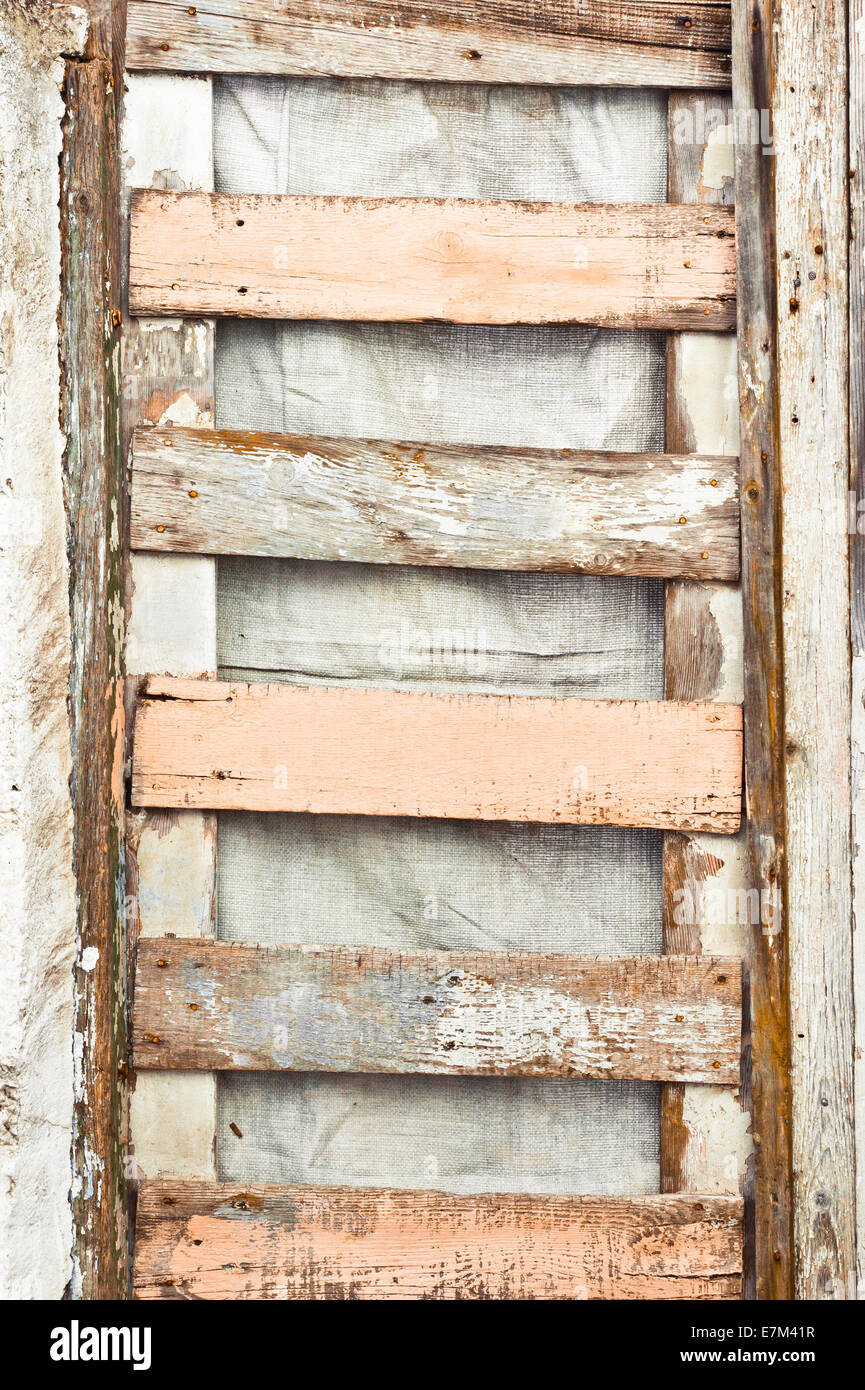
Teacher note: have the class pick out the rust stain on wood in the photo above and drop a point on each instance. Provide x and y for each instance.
(221, 1006)
(233, 492)
(767, 1076)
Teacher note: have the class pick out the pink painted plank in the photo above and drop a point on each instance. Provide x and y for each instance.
(220, 1241)
(458, 261)
(480, 757)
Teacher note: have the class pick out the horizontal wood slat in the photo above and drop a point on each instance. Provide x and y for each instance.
(222, 746)
(445, 260)
(224, 492)
(222, 1241)
(638, 43)
(216, 1005)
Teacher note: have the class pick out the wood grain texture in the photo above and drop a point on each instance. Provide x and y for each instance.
(223, 492)
(638, 43)
(705, 1144)
(218, 1241)
(106, 39)
(171, 855)
(768, 1076)
(812, 179)
(229, 1007)
(95, 499)
(478, 757)
(856, 125)
(419, 259)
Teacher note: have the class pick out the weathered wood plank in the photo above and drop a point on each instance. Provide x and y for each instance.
(218, 1241)
(459, 261)
(705, 1143)
(96, 506)
(478, 757)
(224, 492)
(768, 1077)
(638, 43)
(856, 124)
(812, 180)
(171, 856)
(229, 1007)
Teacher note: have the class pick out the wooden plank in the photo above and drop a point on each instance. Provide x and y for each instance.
(171, 856)
(224, 492)
(229, 1007)
(96, 503)
(637, 43)
(452, 260)
(218, 1241)
(856, 125)
(479, 757)
(768, 1077)
(812, 180)
(705, 1139)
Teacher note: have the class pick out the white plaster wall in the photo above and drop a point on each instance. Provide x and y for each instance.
(37, 887)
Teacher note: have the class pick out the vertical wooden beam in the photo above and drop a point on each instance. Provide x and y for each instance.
(812, 177)
(106, 38)
(856, 526)
(754, 81)
(168, 379)
(705, 1141)
(95, 496)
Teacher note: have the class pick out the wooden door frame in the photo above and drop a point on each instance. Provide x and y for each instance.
(798, 365)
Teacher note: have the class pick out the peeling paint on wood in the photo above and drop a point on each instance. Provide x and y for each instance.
(218, 1241)
(360, 1009)
(856, 125)
(232, 492)
(858, 845)
(638, 43)
(767, 1074)
(417, 259)
(38, 888)
(168, 380)
(812, 179)
(96, 501)
(218, 745)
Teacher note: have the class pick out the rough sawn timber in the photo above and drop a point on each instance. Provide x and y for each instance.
(768, 1074)
(94, 479)
(221, 1241)
(812, 180)
(233, 492)
(415, 259)
(228, 1007)
(223, 746)
(641, 43)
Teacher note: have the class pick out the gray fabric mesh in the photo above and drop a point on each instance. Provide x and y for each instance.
(458, 885)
